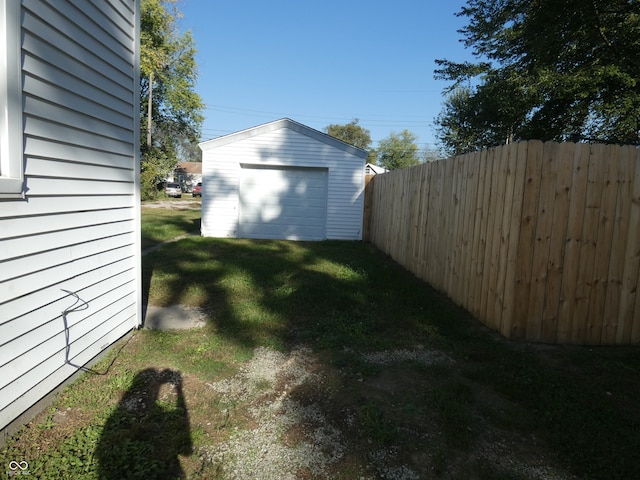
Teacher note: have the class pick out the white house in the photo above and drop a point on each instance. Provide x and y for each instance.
(69, 204)
(187, 174)
(282, 180)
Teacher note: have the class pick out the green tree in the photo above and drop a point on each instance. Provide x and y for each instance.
(398, 150)
(353, 134)
(171, 110)
(546, 69)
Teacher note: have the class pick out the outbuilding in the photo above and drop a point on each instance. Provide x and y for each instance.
(282, 180)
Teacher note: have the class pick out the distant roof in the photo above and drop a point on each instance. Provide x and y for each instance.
(190, 167)
(285, 123)
(372, 169)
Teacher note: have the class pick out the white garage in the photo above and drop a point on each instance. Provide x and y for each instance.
(282, 180)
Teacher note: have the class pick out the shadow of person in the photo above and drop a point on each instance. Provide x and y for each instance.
(147, 431)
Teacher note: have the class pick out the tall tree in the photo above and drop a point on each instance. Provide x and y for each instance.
(398, 150)
(353, 134)
(171, 110)
(547, 69)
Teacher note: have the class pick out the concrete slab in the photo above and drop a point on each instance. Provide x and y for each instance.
(175, 317)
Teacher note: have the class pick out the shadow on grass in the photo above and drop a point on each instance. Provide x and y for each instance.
(147, 431)
(344, 298)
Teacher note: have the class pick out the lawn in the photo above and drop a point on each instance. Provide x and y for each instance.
(162, 224)
(327, 360)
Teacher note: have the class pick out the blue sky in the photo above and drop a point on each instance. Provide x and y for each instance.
(323, 62)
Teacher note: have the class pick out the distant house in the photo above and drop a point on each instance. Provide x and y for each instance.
(371, 169)
(187, 174)
(282, 180)
(69, 192)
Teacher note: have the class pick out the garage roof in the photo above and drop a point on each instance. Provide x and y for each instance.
(284, 123)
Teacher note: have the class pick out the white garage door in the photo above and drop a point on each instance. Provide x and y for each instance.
(283, 202)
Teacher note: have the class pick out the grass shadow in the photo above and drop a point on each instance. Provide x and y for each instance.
(148, 430)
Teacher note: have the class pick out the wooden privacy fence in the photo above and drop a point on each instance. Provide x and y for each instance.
(539, 241)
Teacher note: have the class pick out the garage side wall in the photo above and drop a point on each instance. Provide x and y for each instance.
(282, 147)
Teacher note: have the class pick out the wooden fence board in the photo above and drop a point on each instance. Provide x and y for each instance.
(480, 242)
(441, 231)
(492, 184)
(457, 209)
(448, 215)
(603, 248)
(557, 241)
(503, 226)
(618, 246)
(472, 162)
(628, 294)
(526, 242)
(571, 263)
(434, 217)
(511, 228)
(597, 171)
(366, 214)
(542, 241)
(424, 252)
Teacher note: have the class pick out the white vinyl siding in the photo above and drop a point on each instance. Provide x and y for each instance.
(282, 144)
(73, 244)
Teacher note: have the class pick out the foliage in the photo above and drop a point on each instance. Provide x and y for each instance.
(431, 154)
(168, 73)
(353, 134)
(547, 70)
(398, 150)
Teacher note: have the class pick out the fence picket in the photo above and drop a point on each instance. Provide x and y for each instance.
(571, 261)
(630, 279)
(526, 242)
(557, 240)
(618, 247)
(472, 161)
(518, 166)
(603, 249)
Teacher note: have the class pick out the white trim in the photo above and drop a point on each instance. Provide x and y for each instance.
(11, 140)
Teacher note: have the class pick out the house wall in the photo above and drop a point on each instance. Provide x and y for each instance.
(69, 251)
(283, 147)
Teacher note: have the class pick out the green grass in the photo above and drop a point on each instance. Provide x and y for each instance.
(576, 407)
(160, 225)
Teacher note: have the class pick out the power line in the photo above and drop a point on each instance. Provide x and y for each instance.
(399, 121)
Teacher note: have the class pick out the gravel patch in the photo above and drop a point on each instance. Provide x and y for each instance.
(260, 453)
(260, 375)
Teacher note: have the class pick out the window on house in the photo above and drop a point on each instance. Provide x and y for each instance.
(11, 163)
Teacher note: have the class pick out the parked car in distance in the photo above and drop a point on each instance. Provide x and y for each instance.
(197, 190)
(173, 190)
